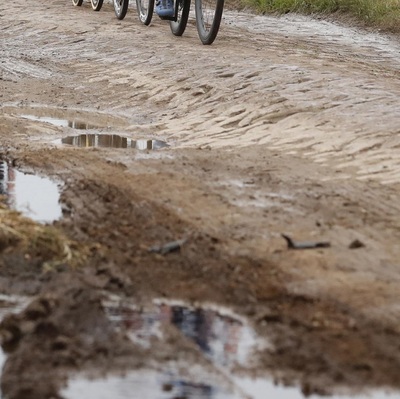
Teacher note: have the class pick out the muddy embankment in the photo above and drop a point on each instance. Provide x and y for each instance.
(178, 167)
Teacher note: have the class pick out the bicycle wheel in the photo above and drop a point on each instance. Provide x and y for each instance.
(182, 9)
(145, 10)
(96, 4)
(77, 2)
(121, 8)
(208, 19)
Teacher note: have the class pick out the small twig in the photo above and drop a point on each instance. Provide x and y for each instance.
(168, 247)
(305, 244)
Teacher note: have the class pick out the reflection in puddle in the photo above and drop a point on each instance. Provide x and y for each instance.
(74, 124)
(112, 141)
(223, 337)
(148, 384)
(35, 197)
(263, 388)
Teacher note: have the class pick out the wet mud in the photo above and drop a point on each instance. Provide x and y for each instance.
(180, 169)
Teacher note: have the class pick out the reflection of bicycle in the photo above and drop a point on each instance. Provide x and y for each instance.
(208, 16)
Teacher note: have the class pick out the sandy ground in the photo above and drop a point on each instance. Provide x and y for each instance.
(283, 125)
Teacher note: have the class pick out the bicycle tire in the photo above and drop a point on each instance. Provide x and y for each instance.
(77, 3)
(121, 8)
(208, 19)
(182, 15)
(97, 4)
(145, 9)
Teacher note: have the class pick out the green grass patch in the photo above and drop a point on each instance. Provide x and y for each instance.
(384, 14)
(34, 241)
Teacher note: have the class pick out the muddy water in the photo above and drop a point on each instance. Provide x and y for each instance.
(222, 336)
(34, 196)
(148, 384)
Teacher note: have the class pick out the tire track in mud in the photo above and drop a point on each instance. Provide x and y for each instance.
(328, 95)
(243, 91)
(271, 88)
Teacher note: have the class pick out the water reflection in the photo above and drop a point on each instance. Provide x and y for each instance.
(184, 389)
(112, 141)
(3, 178)
(35, 197)
(219, 337)
(148, 384)
(223, 338)
(97, 140)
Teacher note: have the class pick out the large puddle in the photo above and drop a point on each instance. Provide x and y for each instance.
(223, 337)
(112, 141)
(34, 196)
(150, 384)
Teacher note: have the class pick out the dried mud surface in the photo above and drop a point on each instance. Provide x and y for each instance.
(284, 125)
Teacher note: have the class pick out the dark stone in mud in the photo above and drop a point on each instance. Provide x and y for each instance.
(10, 333)
(61, 343)
(40, 308)
(305, 244)
(271, 318)
(167, 387)
(356, 244)
(6, 241)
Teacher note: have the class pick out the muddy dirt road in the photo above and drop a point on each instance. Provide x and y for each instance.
(284, 125)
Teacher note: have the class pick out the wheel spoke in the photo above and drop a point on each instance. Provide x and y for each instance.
(208, 13)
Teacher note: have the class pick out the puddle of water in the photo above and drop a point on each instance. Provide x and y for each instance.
(259, 388)
(147, 384)
(112, 141)
(223, 337)
(74, 124)
(35, 197)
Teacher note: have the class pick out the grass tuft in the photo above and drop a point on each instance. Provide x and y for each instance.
(37, 242)
(383, 14)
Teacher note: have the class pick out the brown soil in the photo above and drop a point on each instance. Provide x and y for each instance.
(283, 125)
